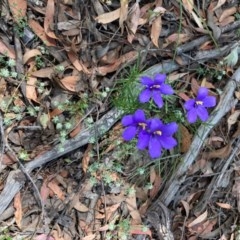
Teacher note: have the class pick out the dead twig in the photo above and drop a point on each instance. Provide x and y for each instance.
(15, 180)
(227, 101)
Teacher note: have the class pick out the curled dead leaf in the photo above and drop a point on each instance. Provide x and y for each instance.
(18, 206)
(219, 153)
(30, 54)
(39, 31)
(199, 219)
(7, 51)
(18, 9)
(186, 138)
(108, 17)
(156, 30)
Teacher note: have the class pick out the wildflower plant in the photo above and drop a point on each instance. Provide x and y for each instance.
(152, 133)
(197, 108)
(155, 88)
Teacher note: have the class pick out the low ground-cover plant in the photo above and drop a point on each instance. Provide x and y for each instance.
(153, 133)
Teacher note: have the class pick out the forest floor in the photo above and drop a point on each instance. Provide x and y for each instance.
(119, 119)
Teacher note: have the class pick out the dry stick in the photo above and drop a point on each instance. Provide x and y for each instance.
(16, 180)
(217, 179)
(197, 42)
(226, 102)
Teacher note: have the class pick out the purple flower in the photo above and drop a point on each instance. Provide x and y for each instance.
(158, 137)
(197, 107)
(135, 123)
(154, 88)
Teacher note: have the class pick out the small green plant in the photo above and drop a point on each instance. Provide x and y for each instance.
(124, 229)
(20, 26)
(127, 91)
(23, 155)
(33, 111)
(6, 67)
(39, 62)
(237, 15)
(59, 68)
(106, 173)
(5, 237)
(216, 74)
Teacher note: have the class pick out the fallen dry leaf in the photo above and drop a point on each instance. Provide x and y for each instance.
(227, 21)
(77, 63)
(89, 237)
(18, 9)
(232, 119)
(53, 185)
(49, 19)
(49, 71)
(123, 13)
(86, 158)
(178, 38)
(108, 17)
(156, 181)
(127, 57)
(31, 92)
(18, 206)
(109, 212)
(156, 30)
(172, 77)
(199, 219)
(70, 83)
(7, 51)
(30, 54)
(132, 207)
(224, 205)
(219, 153)
(186, 207)
(80, 207)
(186, 138)
(219, 4)
(43, 237)
(133, 21)
(44, 191)
(188, 5)
(39, 31)
(228, 12)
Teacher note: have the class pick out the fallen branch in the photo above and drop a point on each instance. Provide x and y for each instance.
(227, 101)
(16, 179)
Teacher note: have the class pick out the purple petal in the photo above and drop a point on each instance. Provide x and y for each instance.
(166, 89)
(129, 133)
(202, 93)
(155, 124)
(139, 116)
(189, 104)
(147, 81)
(209, 101)
(159, 78)
(143, 140)
(202, 113)
(157, 98)
(192, 115)
(169, 129)
(168, 142)
(154, 147)
(127, 120)
(145, 95)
